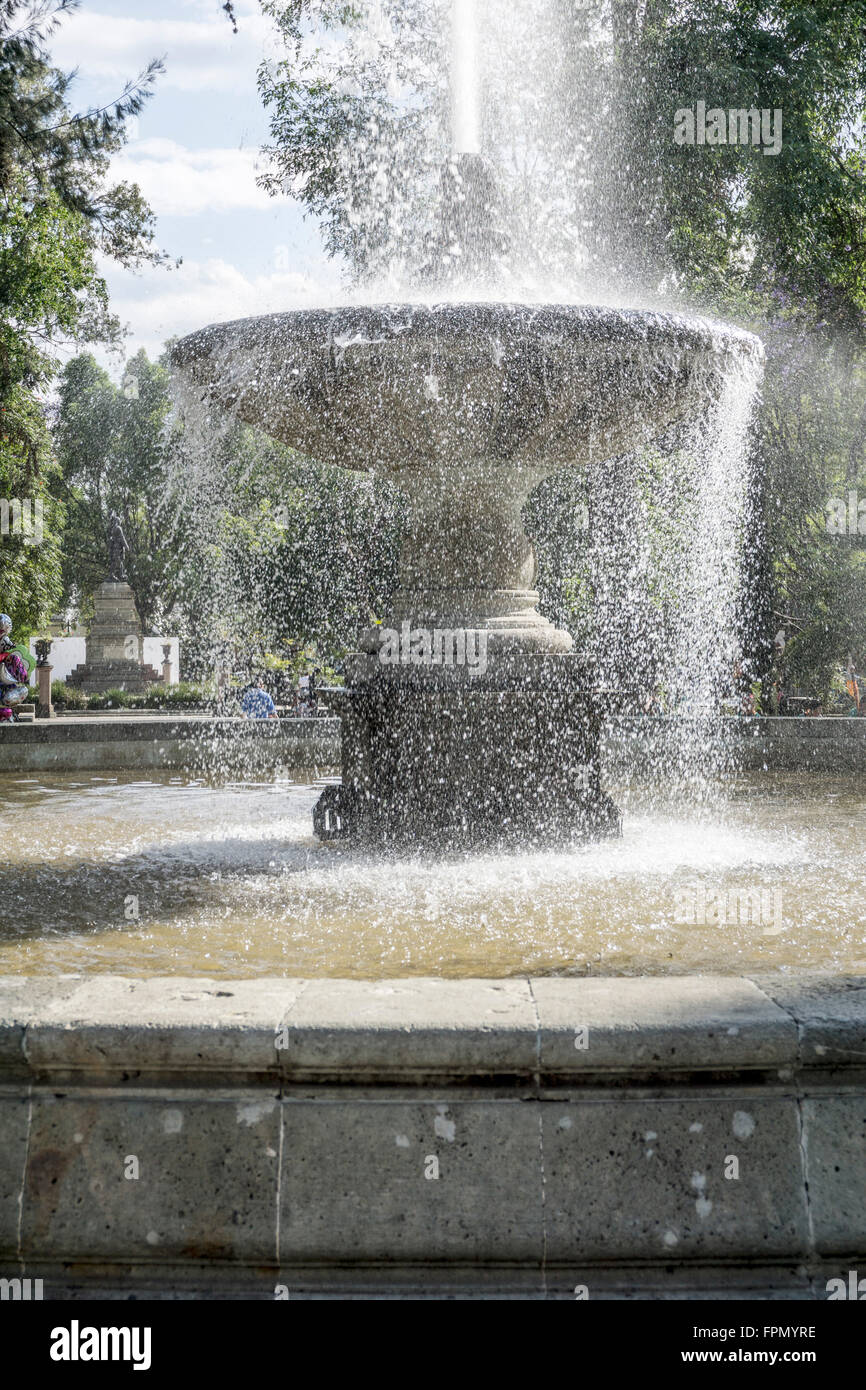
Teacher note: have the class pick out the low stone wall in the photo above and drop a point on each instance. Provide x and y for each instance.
(538, 1138)
(637, 746)
(184, 742)
(632, 746)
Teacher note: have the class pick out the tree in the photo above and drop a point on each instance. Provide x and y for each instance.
(58, 215)
(722, 221)
(112, 444)
(811, 445)
(279, 553)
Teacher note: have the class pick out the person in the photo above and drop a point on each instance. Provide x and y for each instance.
(852, 685)
(256, 703)
(15, 666)
(304, 696)
(742, 687)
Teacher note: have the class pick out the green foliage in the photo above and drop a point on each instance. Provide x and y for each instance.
(281, 555)
(260, 547)
(68, 695)
(111, 699)
(733, 222)
(48, 150)
(44, 266)
(324, 115)
(112, 450)
(184, 695)
(58, 214)
(811, 448)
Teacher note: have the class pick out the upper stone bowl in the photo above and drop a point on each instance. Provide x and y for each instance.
(391, 387)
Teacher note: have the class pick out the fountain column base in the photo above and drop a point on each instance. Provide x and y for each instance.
(451, 760)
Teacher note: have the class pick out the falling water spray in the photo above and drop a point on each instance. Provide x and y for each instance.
(468, 393)
(465, 116)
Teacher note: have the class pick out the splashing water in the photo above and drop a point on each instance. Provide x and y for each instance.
(229, 882)
(711, 573)
(463, 121)
(478, 162)
(464, 80)
(700, 676)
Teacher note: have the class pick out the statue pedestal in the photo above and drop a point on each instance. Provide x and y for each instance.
(44, 708)
(113, 658)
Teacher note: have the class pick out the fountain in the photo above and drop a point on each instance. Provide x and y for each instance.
(468, 407)
(581, 1046)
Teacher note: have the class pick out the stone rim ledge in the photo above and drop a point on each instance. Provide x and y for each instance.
(572, 1029)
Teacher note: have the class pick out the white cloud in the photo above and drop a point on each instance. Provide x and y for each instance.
(200, 54)
(178, 182)
(204, 173)
(160, 304)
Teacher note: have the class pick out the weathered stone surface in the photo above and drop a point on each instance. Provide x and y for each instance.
(694, 1282)
(538, 385)
(830, 1013)
(632, 747)
(429, 1024)
(834, 1142)
(690, 1281)
(505, 756)
(207, 1176)
(23, 999)
(314, 1176)
(627, 1178)
(109, 1023)
(113, 655)
(354, 1187)
(105, 743)
(674, 1023)
(14, 1118)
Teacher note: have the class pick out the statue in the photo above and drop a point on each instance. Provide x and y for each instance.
(117, 548)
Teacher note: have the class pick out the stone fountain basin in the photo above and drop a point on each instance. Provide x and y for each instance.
(286, 1132)
(394, 386)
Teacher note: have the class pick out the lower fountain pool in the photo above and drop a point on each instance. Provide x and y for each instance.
(113, 874)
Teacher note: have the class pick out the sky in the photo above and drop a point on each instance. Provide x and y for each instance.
(194, 152)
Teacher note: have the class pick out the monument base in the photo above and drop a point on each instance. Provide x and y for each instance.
(453, 760)
(99, 676)
(114, 645)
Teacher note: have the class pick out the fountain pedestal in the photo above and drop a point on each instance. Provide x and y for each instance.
(466, 721)
(509, 756)
(466, 564)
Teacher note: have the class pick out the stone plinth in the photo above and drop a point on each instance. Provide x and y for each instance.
(114, 644)
(288, 1132)
(45, 708)
(510, 755)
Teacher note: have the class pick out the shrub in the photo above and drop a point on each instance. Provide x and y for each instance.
(68, 695)
(111, 699)
(184, 694)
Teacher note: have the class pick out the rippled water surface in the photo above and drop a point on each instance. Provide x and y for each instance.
(228, 880)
